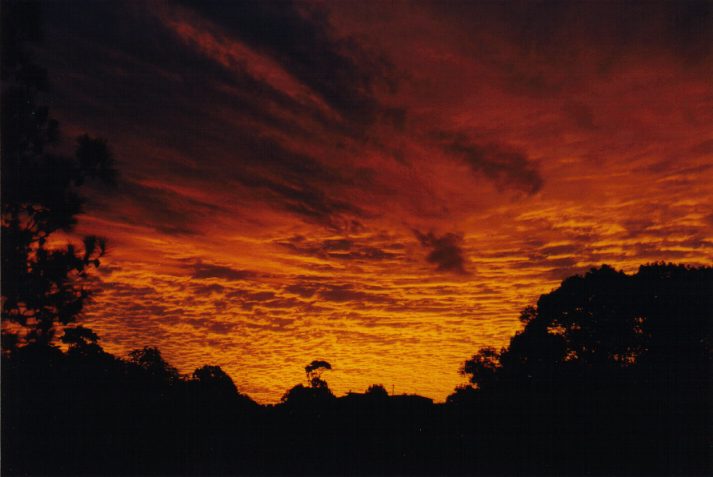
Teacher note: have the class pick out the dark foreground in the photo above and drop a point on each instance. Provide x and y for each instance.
(610, 375)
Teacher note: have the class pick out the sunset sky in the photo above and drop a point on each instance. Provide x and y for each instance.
(383, 185)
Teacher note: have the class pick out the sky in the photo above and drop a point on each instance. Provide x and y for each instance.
(382, 185)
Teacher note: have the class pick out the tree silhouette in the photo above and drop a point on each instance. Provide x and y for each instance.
(604, 321)
(377, 391)
(534, 407)
(213, 378)
(314, 372)
(81, 340)
(149, 360)
(482, 367)
(41, 282)
(316, 392)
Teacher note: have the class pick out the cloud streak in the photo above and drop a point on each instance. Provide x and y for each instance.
(505, 166)
(202, 270)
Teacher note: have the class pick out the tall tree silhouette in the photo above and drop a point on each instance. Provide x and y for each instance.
(41, 283)
(314, 372)
(316, 392)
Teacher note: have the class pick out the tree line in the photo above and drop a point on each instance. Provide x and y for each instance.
(611, 374)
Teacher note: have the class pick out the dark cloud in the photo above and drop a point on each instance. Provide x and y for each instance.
(637, 226)
(275, 325)
(554, 30)
(126, 291)
(368, 253)
(160, 209)
(507, 167)
(446, 251)
(287, 180)
(146, 309)
(267, 299)
(655, 252)
(344, 293)
(265, 153)
(539, 261)
(283, 303)
(703, 148)
(310, 202)
(560, 273)
(292, 181)
(219, 327)
(106, 270)
(305, 291)
(556, 46)
(338, 249)
(208, 289)
(560, 249)
(709, 219)
(101, 51)
(340, 245)
(580, 114)
(204, 270)
(260, 296)
(126, 51)
(299, 37)
(337, 293)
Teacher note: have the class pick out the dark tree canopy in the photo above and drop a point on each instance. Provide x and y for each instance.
(213, 378)
(658, 321)
(377, 391)
(482, 367)
(41, 282)
(81, 341)
(150, 360)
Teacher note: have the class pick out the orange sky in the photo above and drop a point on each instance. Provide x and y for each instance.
(384, 185)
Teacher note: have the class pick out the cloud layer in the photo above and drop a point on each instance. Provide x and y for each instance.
(383, 185)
